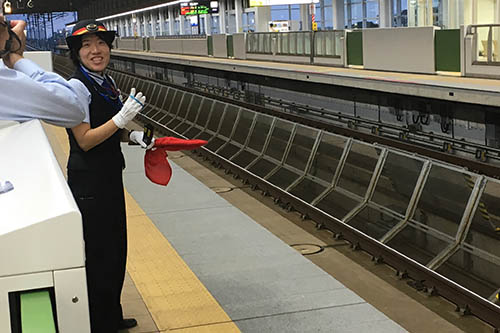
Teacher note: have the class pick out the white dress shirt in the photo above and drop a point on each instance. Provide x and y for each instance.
(29, 92)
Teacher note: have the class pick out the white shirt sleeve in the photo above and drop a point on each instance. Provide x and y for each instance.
(29, 92)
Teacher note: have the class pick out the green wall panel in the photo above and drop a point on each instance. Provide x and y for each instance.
(355, 48)
(447, 50)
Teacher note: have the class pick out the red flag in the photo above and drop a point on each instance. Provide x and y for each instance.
(156, 165)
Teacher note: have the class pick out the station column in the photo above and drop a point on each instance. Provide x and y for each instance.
(162, 22)
(385, 13)
(238, 11)
(338, 14)
(154, 20)
(171, 20)
(222, 17)
(262, 18)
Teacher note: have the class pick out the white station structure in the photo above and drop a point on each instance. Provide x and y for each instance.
(41, 236)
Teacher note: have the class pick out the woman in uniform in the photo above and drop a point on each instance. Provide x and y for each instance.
(95, 173)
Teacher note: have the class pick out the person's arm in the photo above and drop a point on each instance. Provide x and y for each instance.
(87, 137)
(28, 92)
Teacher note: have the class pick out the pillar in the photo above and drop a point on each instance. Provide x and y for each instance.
(222, 16)
(238, 12)
(171, 20)
(305, 17)
(145, 24)
(338, 14)
(162, 22)
(262, 18)
(154, 20)
(385, 14)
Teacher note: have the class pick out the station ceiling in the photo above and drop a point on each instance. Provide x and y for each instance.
(42, 6)
(86, 8)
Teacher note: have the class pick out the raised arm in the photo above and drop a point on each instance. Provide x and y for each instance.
(88, 137)
(28, 92)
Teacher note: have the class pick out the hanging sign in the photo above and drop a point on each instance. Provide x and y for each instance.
(199, 7)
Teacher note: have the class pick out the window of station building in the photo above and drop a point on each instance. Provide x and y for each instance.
(230, 22)
(177, 25)
(248, 21)
(285, 13)
(149, 25)
(361, 13)
(187, 27)
(157, 19)
(214, 24)
(202, 25)
(399, 13)
(326, 15)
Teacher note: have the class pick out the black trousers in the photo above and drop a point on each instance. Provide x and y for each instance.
(100, 198)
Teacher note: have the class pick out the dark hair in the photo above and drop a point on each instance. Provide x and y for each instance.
(75, 50)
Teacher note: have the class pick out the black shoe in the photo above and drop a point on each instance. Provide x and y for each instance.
(127, 323)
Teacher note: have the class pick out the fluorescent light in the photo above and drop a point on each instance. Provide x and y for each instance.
(141, 10)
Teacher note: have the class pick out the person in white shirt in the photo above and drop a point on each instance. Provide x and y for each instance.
(28, 92)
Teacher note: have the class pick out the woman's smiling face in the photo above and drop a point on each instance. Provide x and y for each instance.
(95, 53)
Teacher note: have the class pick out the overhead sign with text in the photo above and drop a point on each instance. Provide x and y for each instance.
(199, 7)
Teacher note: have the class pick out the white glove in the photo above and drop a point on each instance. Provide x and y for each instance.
(132, 106)
(137, 136)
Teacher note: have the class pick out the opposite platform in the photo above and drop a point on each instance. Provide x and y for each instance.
(441, 87)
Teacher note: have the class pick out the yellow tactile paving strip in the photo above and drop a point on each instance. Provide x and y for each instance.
(175, 297)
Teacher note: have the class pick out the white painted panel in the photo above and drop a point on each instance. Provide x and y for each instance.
(41, 227)
(72, 301)
(399, 49)
(195, 47)
(239, 46)
(41, 58)
(220, 46)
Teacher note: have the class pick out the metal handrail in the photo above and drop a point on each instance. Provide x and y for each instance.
(470, 26)
(472, 31)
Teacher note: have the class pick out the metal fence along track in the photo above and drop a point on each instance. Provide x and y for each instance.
(436, 222)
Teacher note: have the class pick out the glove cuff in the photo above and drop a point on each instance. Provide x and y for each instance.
(119, 121)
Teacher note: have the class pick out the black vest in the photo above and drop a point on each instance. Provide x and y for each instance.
(108, 154)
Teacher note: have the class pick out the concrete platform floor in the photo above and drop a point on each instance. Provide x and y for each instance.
(377, 284)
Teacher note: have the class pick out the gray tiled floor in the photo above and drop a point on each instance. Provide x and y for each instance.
(262, 283)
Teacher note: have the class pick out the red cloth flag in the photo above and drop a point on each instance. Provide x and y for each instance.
(156, 165)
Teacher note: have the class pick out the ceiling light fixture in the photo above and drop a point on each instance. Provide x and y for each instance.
(141, 10)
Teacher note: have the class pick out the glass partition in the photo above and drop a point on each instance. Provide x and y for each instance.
(183, 109)
(275, 150)
(201, 119)
(397, 182)
(476, 264)
(359, 167)
(191, 113)
(393, 191)
(323, 167)
(240, 135)
(434, 225)
(256, 141)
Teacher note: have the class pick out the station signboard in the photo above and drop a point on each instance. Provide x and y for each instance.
(199, 7)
